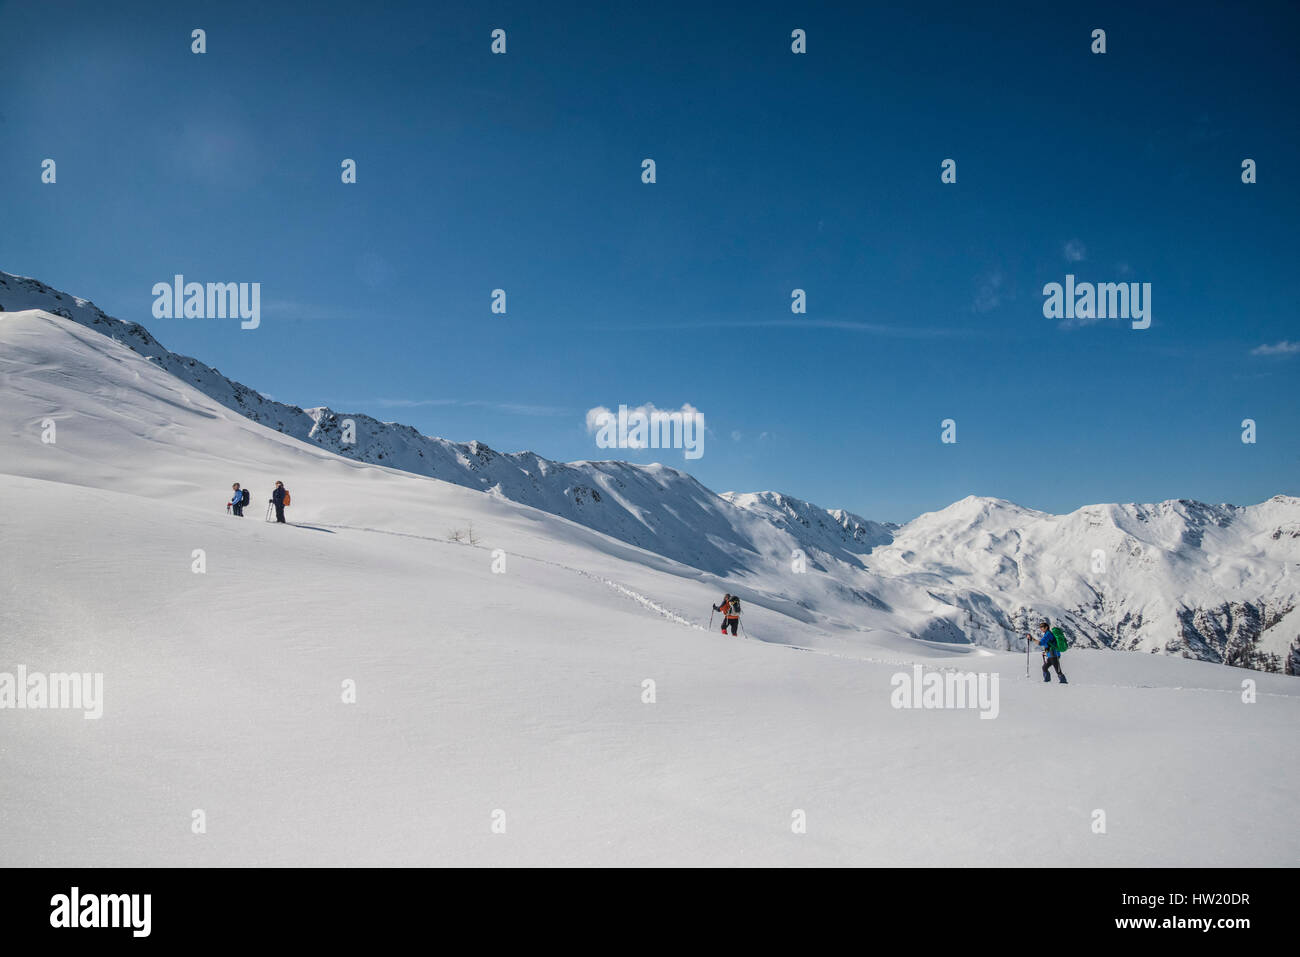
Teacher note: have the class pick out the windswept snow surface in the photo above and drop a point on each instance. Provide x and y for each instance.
(523, 691)
(1214, 582)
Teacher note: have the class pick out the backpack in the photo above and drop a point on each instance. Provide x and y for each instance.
(243, 501)
(286, 498)
(735, 605)
(1060, 640)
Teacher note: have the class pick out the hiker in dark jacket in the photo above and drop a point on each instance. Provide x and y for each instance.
(237, 502)
(279, 498)
(1051, 657)
(730, 609)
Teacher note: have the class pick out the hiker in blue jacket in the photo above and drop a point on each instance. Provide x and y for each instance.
(237, 502)
(1051, 656)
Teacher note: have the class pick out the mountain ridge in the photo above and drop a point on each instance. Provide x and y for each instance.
(1215, 582)
(574, 490)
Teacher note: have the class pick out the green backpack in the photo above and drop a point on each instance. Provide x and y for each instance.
(1060, 640)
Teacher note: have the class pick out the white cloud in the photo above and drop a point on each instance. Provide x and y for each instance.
(1075, 251)
(598, 415)
(1283, 348)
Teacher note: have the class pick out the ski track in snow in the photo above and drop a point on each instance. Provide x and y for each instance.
(669, 614)
(645, 601)
(636, 596)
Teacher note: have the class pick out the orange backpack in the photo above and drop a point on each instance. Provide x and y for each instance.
(286, 497)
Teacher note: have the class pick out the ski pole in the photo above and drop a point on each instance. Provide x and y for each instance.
(710, 621)
(1026, 656)
(268, 511)
(742, 628)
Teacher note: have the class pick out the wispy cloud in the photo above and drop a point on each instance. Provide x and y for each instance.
(847, 325)
(514, 408)
(990, 291)
(1074, 251)
(1283, 348)
(291, 310)
(376, 271)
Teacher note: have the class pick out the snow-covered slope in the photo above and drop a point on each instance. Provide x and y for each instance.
(104, 400)
(548, 678)
(653, 506)
(1216, 582)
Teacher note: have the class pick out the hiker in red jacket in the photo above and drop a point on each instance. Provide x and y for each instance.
(730, 609)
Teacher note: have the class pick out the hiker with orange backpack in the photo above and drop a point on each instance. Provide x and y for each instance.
(730, 609)
(280, 499)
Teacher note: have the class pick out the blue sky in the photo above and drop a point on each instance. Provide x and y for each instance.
(775, 171)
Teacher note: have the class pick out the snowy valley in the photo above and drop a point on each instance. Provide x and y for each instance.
(359, 687)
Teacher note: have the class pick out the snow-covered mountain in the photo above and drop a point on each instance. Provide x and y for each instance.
(356, 688)
(1216, 582)
(654, 507)
(830, 531)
